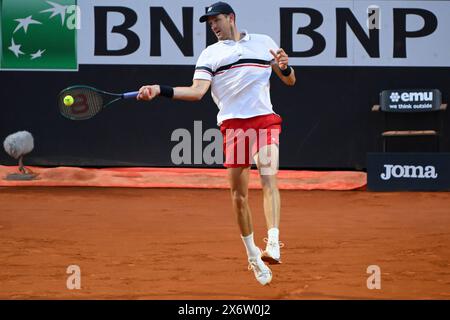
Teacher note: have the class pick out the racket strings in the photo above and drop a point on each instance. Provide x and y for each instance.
(87, 103)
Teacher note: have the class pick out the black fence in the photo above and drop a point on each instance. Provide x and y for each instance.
(327, 118)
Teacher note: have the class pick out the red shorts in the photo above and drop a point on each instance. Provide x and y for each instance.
(243, 138)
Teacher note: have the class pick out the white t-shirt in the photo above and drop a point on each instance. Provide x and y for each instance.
(239, 72)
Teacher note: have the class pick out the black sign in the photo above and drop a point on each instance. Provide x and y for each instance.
(416, 100)
(408, 171)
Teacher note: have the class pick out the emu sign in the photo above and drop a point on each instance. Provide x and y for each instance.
(410, 100)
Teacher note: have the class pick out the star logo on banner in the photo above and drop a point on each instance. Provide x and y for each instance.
(37, 54)
(24, 23)
(15, 48)
(57, 9)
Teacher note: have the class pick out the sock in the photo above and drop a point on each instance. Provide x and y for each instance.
(252, 249)
(273, 234)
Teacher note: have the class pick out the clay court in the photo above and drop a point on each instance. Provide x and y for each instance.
(184, 244)
(117, 123)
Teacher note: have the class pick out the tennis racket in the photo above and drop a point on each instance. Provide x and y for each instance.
(88, 101)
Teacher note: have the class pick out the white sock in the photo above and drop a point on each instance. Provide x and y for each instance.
(252, 249)
(273, 234)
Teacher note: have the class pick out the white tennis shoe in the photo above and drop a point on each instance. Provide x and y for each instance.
(262, 272)
(272, 253)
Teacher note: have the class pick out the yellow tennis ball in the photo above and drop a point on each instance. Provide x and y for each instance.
(68, 101)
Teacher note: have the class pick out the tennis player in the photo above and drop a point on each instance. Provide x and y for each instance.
(238, 69)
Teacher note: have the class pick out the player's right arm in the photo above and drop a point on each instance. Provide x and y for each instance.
(192, 93)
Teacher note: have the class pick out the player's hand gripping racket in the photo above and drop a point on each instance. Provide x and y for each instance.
(88, 101)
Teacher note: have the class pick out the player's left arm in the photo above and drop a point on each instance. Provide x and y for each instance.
(280, 65)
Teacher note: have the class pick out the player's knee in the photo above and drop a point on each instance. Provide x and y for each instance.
(239, 199)
(268, 183)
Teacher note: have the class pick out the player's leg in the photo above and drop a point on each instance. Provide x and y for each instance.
(268, 175)
(267, 160)
(238, 178)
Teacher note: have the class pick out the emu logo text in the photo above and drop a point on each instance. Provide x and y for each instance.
(412, 96)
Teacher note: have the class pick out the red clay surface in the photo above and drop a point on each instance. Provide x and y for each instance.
(185, 244)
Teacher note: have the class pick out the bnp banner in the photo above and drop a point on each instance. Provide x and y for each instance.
(38, 35)
(44, 34)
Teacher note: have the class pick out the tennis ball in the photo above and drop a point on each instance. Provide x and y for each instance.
(68, 101)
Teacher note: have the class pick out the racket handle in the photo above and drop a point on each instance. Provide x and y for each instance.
(130, 95)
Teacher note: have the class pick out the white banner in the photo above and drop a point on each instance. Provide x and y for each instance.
(314, 32)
